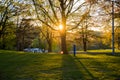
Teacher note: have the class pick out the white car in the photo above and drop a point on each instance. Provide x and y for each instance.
(34, 50)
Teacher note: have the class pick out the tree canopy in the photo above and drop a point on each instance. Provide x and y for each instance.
(54, 24)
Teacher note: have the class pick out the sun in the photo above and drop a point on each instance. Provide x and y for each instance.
(60, 27)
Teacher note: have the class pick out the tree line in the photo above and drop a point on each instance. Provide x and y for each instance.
(35, 23)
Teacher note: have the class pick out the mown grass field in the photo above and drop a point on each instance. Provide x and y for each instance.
(35, 66)
(100, 51)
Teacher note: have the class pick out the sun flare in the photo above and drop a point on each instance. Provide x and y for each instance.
(61, 27)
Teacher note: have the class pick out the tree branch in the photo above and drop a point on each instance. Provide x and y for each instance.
(55, 15)
(78, 7)
(41, 19)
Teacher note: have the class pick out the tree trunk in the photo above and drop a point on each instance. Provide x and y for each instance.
(50, 47)
(63, 34)
(3, 42)
(84, 44)
(63, 44)
(49, 40)
(85, 37)
(84, 40)
(17, 41)
(118, 43)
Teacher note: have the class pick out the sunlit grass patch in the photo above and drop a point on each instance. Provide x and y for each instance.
(99, 51)
(102, 66)
(104, 50)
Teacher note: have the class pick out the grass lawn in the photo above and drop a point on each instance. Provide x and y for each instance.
(34, 66)
(99, 51)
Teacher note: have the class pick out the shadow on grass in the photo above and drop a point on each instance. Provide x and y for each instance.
(70, 71)
(85, 68)
(27, 66)
(116, 54)
(74, 69)
(19, 65)
(104, 67)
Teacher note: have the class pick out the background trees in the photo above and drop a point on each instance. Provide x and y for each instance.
(36, 23)
(108, 13)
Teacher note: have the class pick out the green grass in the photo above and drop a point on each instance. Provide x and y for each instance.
(104, 50)
(100, 51)
(33, 66)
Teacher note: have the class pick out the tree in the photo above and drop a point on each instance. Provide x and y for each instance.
(24, 21)
(116, 17)
(26, 33)
(104, 15)
(7, 40)
(8, 9)
(59, 12)
(47, 37)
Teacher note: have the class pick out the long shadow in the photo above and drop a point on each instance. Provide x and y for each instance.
(105, 67)
(85, 68)
(102, 66)
(74, 69)
(70, 70)
(25, 66)
(19, 66)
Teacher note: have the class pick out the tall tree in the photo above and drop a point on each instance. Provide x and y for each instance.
(58, 12)
(23, 14)
(26, 32)
(7, 11)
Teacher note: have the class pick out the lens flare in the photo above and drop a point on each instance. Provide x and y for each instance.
(60, 27)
